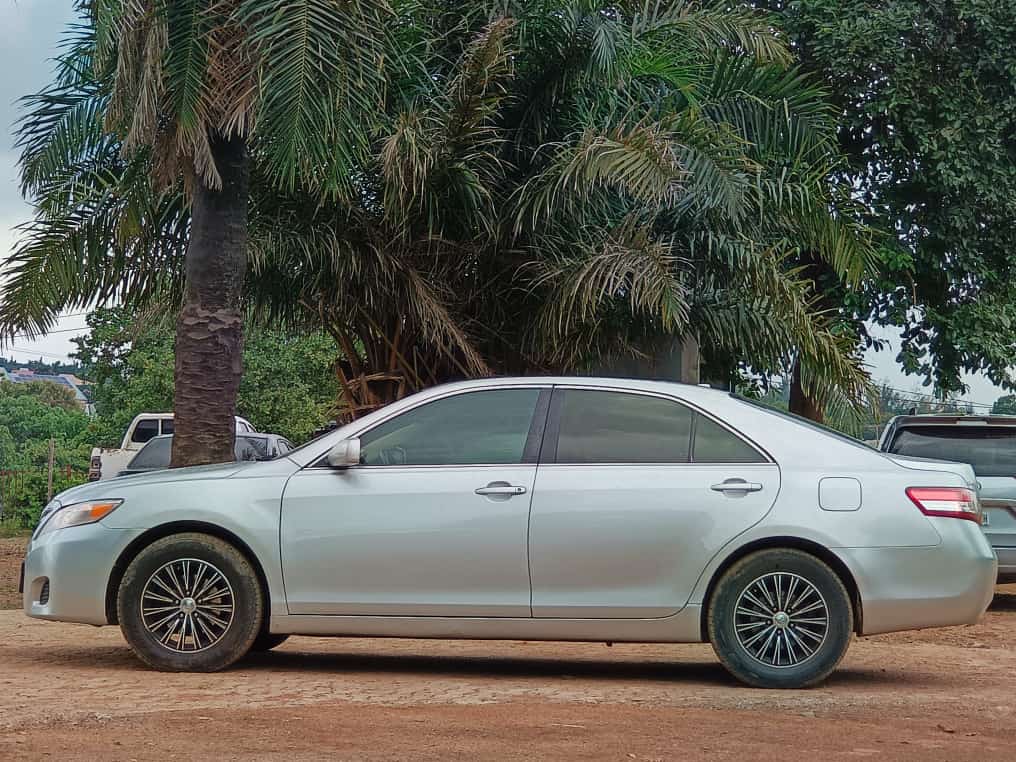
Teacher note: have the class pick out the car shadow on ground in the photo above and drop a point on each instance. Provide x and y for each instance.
(494, 667)
(1003, 602)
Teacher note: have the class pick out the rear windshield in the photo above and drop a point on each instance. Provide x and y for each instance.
(153, 455)
(991, 450)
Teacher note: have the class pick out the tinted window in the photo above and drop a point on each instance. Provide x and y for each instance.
(167, 426)
(153, 455)
(991, 450)
(714, 444)
(479, 427)
(145, 430)
(251, 448)
(612, 427)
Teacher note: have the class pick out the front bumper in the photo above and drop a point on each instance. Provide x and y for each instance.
(913, 588)
(67, 571)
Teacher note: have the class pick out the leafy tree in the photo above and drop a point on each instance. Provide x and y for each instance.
(288, 387)
(30, 415)
(928, 118)
(183, 93)
(1004, 405)
(550, 186)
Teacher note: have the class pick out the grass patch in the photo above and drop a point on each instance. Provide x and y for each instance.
(10, 529)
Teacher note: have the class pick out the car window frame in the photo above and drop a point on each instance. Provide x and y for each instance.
(530, 452)
(553, 431)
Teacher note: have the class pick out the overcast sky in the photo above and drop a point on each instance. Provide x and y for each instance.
(31, 30)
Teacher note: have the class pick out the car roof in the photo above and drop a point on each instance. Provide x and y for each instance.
(937, 419)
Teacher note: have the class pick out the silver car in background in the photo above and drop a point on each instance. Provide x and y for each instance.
(530, 508)
(988, 444)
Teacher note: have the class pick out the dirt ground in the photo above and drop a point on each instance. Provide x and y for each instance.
(75, 692)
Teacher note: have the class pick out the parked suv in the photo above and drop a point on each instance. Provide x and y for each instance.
(986, 442)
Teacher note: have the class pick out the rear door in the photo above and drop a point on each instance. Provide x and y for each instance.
(635, 493)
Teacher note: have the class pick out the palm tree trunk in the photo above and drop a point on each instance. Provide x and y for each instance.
(209, 332)
(800, 402)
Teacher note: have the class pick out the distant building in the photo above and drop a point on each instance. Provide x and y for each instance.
(69, 380)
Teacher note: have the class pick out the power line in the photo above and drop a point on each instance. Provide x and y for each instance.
(920, 397)
(49, 333)
(33, 352)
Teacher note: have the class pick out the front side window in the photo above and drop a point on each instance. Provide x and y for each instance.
(614, 427)
(487, 427)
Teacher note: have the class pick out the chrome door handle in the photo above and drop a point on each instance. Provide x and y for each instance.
(736, 485)
(501, 489)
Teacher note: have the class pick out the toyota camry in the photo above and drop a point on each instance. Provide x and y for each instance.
(530, 508)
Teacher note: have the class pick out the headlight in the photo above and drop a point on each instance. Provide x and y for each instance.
(76, 514)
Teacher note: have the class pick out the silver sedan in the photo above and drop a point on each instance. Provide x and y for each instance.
(530, 508)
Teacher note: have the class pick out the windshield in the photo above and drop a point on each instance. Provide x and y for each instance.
(991, 450)
(251, 448)
(156, 454)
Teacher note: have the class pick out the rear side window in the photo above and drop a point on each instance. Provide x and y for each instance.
(145, 431)
(714, 444)
(167, 425)
(614, 427)
(991, 450)
(153, 455)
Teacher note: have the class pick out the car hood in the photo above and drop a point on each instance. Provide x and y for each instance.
(110, 488)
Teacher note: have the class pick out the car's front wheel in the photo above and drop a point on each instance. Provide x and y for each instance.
(190, 603)
(780, 618)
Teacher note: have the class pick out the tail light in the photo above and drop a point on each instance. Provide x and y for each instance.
(950, 502)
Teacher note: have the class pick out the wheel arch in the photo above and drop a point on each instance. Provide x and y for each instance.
(794, 543)
(142, 541)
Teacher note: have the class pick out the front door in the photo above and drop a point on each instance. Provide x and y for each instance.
(636, 493)
(433, 523)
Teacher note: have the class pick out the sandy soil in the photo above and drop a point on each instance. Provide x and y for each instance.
(12, 551)
(75, 692)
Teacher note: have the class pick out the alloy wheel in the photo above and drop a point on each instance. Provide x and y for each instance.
(781, 619)
(187, 605)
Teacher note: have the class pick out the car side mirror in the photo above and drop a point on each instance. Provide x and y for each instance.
(345, 454)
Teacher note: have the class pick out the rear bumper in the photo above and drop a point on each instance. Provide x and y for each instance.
(67, 571)
(1006, 564)
(914, 588)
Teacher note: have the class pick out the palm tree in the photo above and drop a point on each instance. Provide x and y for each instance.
(154, 115)
(550, 186)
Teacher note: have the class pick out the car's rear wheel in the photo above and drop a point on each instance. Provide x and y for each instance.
(190, 603)
(780, 618)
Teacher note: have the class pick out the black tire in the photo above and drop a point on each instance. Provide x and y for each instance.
(763, 669)
(266, 641)
(244, 598)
